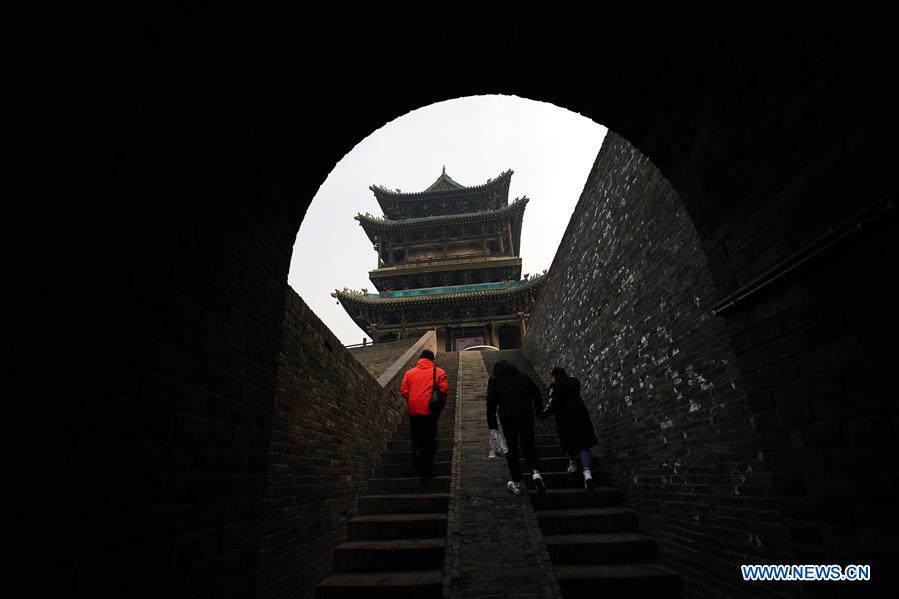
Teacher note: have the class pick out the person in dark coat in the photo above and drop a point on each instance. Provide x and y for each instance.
(518, 399)
(572, 421)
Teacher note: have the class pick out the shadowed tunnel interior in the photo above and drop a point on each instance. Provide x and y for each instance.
(147, 255)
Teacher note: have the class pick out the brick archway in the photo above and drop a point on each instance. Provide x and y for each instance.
(149, 260)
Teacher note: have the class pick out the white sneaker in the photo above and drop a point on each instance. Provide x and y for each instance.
(572, 466)
(492, 454)
(588, 480)
(538, 482)
(515, 488)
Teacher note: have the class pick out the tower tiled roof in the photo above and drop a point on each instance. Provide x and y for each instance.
(375, 223)
(443, 184)
(441, 294)
(376, 228)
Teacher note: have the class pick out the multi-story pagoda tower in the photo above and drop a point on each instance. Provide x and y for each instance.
(448, 259)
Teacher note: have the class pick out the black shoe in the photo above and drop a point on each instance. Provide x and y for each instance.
(538, 483)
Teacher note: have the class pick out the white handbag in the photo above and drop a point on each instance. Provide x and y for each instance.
(497, 443)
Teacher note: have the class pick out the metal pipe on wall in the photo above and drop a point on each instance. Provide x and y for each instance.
(854, 224)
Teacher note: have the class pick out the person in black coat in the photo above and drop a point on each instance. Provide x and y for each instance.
(518, 400)
(572, 421)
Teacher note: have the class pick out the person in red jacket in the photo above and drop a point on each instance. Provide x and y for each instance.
(416, 389)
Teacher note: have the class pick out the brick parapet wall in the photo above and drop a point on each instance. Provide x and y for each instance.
(378, 357)
(331, 422)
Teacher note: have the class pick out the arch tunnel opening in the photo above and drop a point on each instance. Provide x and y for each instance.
(629, 307)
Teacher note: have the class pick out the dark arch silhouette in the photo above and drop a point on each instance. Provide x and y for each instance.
(149, 253)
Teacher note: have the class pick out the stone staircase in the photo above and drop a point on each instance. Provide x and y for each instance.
(592, 540)
(395, 547)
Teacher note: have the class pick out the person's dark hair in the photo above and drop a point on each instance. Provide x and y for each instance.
(558, 372)
(428, 354)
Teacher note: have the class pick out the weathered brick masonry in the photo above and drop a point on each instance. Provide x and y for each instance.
(626, 311)
(331, 421)
(720, 453)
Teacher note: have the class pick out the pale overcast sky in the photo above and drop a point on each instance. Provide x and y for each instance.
(550, 150)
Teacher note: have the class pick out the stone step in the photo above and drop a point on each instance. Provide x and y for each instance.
(602, 548)
(396, 526)
(565, 480)
(405, 470)
(547, 427)
(521, 363)
(551, 451)
(442, 433)
(378, 486)
(391, 555)
(406, 444)
(420, 584)
(587, 520)
(556, 499)
(542, 439)
(553, 464)
(446, 417)
(405, 457)
(445, 421)
(420, 503)
(642, 580)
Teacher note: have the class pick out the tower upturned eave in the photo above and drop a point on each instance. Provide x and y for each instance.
(442, 195)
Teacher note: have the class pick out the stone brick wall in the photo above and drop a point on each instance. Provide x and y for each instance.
(626, 310)
(143, 350)
(376, 358)
(331, 422)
